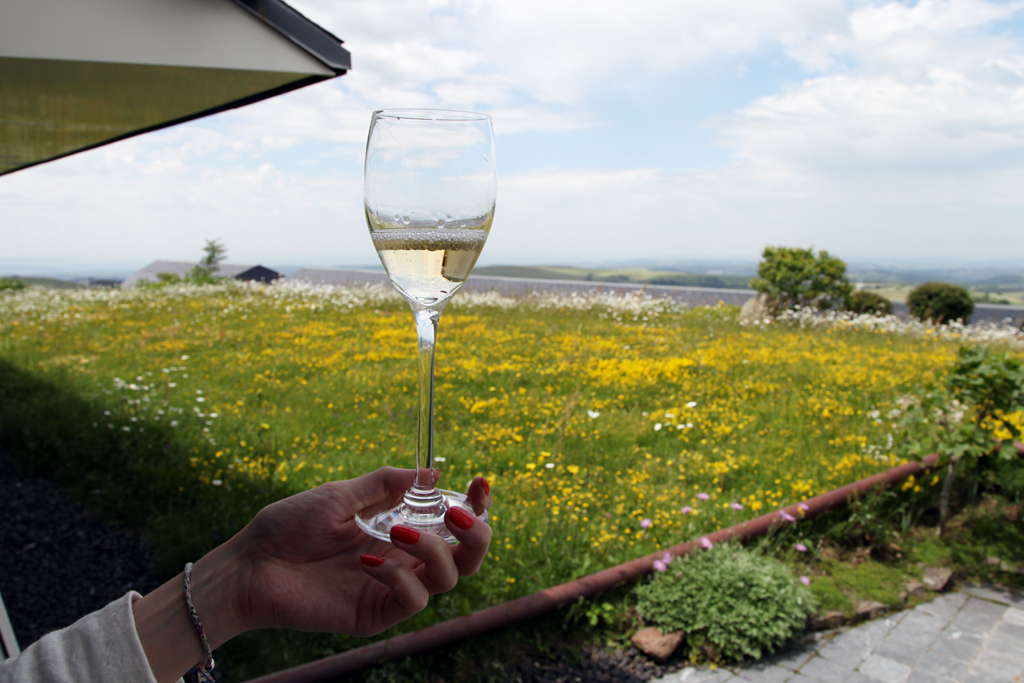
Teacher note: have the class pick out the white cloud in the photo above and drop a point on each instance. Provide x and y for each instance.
(535, 64)
(935, 97)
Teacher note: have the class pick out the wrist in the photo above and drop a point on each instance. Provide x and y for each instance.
(162, 619)
(217, 593)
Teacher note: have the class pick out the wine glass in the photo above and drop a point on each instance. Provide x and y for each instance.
(429, 185)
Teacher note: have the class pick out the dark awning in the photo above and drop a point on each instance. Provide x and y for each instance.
(76, 75)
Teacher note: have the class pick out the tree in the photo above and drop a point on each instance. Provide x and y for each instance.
(213, 253)
(791, 277)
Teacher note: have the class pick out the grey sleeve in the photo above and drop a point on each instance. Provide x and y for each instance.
(102, 646)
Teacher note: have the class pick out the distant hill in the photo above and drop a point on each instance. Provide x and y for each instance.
(531, 272)
(634, 275)
(913, 276)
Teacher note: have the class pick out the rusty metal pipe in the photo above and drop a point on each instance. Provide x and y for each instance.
(337, 666)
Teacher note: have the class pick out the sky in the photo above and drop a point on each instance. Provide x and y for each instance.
(655, 131)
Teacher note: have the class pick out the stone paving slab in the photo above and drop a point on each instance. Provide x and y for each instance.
(975, 635)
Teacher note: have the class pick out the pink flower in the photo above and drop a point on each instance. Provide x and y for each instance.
(660, 566)
(786, 516)
(703, 496)
(803, 506)
(666, 558)
(686, 510)
(735, 506)
(645, 523)
(608, 514)
(801, 547)
(805, 581)
(706, 543)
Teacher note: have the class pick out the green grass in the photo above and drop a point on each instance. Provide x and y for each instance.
(101, 390)
(866, 581)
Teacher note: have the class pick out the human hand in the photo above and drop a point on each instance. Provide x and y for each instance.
(306, 565)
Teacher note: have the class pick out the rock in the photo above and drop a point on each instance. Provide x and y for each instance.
(993, 561)
(754, 309)
(825, 621)
(862, 554)
(869, 609)
(937, 578)
(1012, 511)
(655, 644)
(708, 652)
(1012, 568)
(916, 589)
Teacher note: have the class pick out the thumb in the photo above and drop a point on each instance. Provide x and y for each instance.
(378, 488)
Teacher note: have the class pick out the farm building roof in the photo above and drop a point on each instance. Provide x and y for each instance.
(181, 269)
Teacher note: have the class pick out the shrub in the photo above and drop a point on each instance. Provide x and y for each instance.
(974, 419)
(11, 283)
(741, 603)
(940, 302)
(869, 302)
(792, 277)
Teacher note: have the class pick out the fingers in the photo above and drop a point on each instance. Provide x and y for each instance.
(408, 594)
(474, 539)
(437, 572)
(479, 495)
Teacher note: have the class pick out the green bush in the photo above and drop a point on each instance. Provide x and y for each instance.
(940, 302)
(869, 302)
(965, 423)
(792, 277)
(10, 283)
(741, 603)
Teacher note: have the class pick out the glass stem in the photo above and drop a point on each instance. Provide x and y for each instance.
(424, 495)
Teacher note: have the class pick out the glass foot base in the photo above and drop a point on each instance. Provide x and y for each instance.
(378, 524)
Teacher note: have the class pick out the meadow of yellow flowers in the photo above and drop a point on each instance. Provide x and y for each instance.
(608, 427)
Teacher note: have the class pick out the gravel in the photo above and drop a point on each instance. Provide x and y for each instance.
(59, 562)
(596, 664)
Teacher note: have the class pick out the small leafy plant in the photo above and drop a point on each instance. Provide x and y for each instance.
(736, 601)
(604, 612)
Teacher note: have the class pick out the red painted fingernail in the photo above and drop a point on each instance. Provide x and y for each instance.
(487, 487)
(460, 518)
(371, 560)
(404, 534)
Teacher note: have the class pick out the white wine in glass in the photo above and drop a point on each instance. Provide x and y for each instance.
(429, 186)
